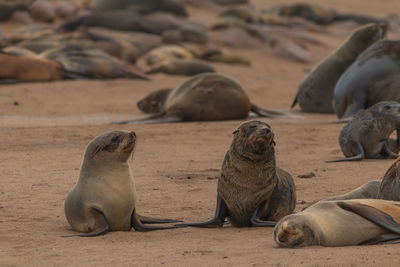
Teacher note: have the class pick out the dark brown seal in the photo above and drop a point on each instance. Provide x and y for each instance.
(206, 97)
(372, 78)
(316, 91)
(104, 199)
(365, 135)
(341, 223)
(252, 191)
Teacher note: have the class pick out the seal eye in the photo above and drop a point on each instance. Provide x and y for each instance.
(115, 139)
(387, 107)
(252, 126)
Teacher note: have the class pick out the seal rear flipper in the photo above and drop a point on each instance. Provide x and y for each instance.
(149, 220)
(140, 227)
(357, 157)
(266, 112)
(257, 222)
(221, 212)
(163, 117)
(101, 225)
(383, 239)
(294, 101)
(372, 214)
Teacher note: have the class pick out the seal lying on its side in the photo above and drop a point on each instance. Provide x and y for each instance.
(252, 191)
(372, 78)
(316, 90)
(205, 97)
(366, 134)
(104, 199)
(341, 223)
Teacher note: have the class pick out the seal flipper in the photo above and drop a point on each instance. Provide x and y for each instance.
(294, 101)
(257, 222)
(266, 112)
(149, 220)
(140, 227)
(357, 157)
(374, 215)
(101, 225)
(163, 117)
(383, 239)
(221, 212)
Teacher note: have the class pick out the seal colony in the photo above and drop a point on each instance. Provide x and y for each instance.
(252, 191)
(104, 199)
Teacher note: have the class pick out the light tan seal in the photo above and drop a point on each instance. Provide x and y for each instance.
(206, 97)
(341, 223)
(104, 199)
(252, 191)
(315, 92)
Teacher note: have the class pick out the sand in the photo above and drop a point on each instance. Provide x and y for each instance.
(176, 167)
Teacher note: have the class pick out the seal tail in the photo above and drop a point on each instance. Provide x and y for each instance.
(162, 117)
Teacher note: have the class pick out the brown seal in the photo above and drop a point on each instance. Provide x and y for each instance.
(390, 185)
(372, 78)
(366, 134)
(206, 97)
(315, 92)
(341, 223)
(29, 68)
(104, 199)
(252, 191)
(177, 66)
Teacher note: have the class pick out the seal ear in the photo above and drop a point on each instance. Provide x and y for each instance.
(235, 132)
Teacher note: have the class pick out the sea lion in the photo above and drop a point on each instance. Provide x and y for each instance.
(372, 78)
(141, 6)
(177, 66)
(365, 135)
(390, 185)
(92, 63)
(206, 97)
(29, 68)
(104, 198)
(341, 223)
(252, 191)
(316, 91)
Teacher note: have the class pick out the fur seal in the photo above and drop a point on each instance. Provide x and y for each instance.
(177, 66)
(390, 185)
(30, 68)
(252, 191)
(341, 223)
(206, 97)
(316, 91)
(369, 190)
(372, 78)
(92, 63)
(365, 135)
(8, 9)
(104, 198)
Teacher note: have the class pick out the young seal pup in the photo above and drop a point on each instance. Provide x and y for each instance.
(316, 90)
(366, 134)
(104, 199)
(252, 191)
(372, 78)
(206, 97)
(341, 223)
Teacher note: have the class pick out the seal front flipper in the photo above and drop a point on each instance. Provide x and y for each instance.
(149, 220)
(257, 222)
(163, 117)
(221, 212)
(373, 214)
(101, 225)
(140, 227)
(294, 102)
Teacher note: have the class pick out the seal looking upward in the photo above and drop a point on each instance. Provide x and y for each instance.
(252, 191)
(104, 199)
(341, 223)
(366, 134)
(315, 92)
